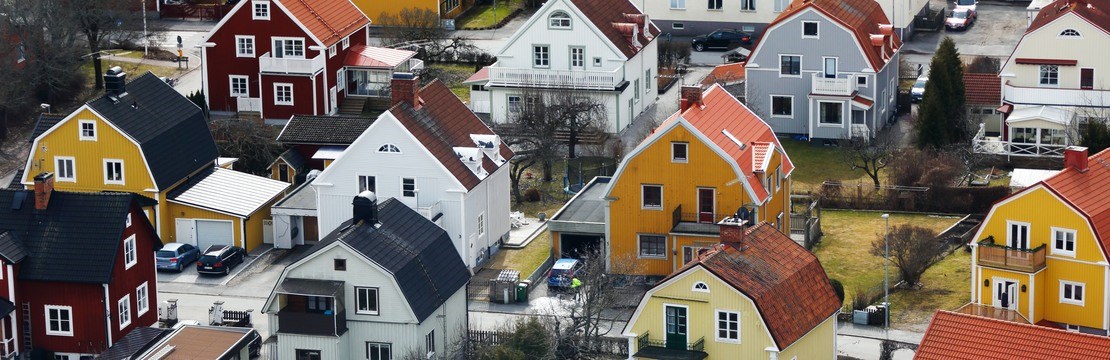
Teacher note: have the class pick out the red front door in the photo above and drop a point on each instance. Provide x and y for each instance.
(707, 205)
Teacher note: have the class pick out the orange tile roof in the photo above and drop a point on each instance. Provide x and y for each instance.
(761, 152)
(982, 89)
(725, 74)
(784, 280)
(861, 16)
(954, 336)
(1093, 11)
(606, 13)
(1088, 192)
(328, 20)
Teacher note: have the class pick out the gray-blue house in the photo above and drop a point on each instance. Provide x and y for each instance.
(826, 69)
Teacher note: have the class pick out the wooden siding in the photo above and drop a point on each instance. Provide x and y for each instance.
(180, 211)
(89, 157)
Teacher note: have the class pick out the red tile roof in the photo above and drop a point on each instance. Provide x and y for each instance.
(787, 283)
(761, 152)
(607, 13)
(725, 74)
(481, 76)
(982, 89)
(1088, 192)
(376, 57)
(328, 20)
(861, 16)
(954, 336)
(1093, 11)
(863, 100)
(443, 122)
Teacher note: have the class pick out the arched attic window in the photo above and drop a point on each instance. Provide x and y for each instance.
(559, 20)
(1070, 33)
(700, 287)
(389, 148)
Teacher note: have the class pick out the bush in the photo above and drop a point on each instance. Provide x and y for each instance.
(838, 288)
(532, 195)
(862, 298)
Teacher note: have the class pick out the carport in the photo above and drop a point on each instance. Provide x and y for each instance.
(580, 224)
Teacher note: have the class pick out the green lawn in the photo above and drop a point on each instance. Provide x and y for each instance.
(813, 164)
(945, 286)
(552, 193)
(453, 75)
(525, 260)
(133, 70)
(482, 16)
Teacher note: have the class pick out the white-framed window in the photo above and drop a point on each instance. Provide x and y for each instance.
(782, 106)
(778, 178)
(65, 169)
(678, 4)
(780, 5)
(653, 246)
(680, 152)
(559, 20)
(332, 51)
(341, 79)
(790, 65)
(113, 172)
(714, 5)
(636, 90)
(647, 80)
(747, 5)
(366, 300)
(831, 113)
(811, 30)
(1071, 292)
(367, 183)
(1063, 241)
(346, 42)
(127, 222)
(678, 26)
(239, 85)
(87, 130)
(861, 80)
(652, 196)
(430, 342)
(597, 61)
(378, 351)
(450, 5)
(124, 308)
(59, 320)
(244, 46)
(1070, 33)
(129, 254)
(408, 187)
(700, 287)
(541, 56)
(1017, 236)
(728, 326)
(481, 224)
(1050, 75)
(577, 57)
(283, 94)
(389, 148)
(514, 103)
(286, 47)
(142, 299)
(261, 10)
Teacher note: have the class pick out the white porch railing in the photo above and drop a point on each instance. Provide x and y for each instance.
(8, 347)
(248, 104)
(827, 86)
(569, 79)
(270, 64)
(1055, 96)
(983, 144)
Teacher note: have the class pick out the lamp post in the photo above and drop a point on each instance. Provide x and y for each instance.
(886, 277)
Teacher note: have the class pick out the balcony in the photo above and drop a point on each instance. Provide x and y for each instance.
(1008, 258)
(648, 348)
(293, 321)
(694, 223)
(311, 307)
(983, 144)
(1054, 96)
(832, 87)
(274, 65)
(558, 79)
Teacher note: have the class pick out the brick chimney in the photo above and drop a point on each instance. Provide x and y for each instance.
(733, 231)
(690, 96)
(44, 185)
(403, 88)
(1076, 157)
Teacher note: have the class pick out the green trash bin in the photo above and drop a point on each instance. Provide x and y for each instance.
(522, 292)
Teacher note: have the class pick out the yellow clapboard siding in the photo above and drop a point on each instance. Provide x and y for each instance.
(89, 157)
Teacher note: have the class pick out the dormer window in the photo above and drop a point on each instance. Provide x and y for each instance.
(389, 148)
(559, 20)
(261, 10)
(1072, 33)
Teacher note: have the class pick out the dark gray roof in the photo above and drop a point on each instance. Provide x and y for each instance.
(75, 239)
(134, 343)
(310, 287)
(293, 158)
(418, 252)
(171, 130)
(588, 205)
(11, 250)
(17, 180)
(45, 122)
(227, 191)
(342, 130)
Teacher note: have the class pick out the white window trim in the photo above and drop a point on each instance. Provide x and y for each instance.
(804, 36)
(414, 188)
(843, 119)
(127, 223)
(1061, 35)
(274, 50)
(661, 200)
(231, 85)
(548, 57)
(387, 150)
(801, 60)
(695, 287)
(640, 253)
(1039, 84)
(341, 78)
(482, 224)
(254, 45)
(130, 240)
(681, 4)
(346, 42)
(46, 315)
(254, 14)
(717, 326)
(1011, 223)
(124, 301)
(122, 172)
(81, 133)
(570, 21)
(332, 51)
(73, 175)
(142, 302)
(678, 26)
(710, 8)
(865, 78)
(292, 98)
(1052, 237)
(597, 61)
(674, 159)
(791, 116)
(377, 296)
(1074, 284)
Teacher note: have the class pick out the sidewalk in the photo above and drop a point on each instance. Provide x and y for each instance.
(876, 332)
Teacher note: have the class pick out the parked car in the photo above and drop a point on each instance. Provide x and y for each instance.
(960, 19)
(175, 256)
(220, 259)
(721, 39)
(560, 275)
(918, 91)
(966, 4)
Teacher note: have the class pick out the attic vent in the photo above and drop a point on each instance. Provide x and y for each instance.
(135, 105)
(734, 139)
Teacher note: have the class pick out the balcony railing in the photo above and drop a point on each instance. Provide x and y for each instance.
(833, 86)
(696, 223)
(1004, 257)
(561, 79)
(983, 144)
(246, 104)
(270, 64)
(645, 341)
(306, 323)
(1055, 96)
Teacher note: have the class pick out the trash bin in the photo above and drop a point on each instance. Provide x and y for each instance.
(502, 289)
(522, 292)
(860, 317)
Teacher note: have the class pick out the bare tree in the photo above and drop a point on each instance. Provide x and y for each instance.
(578, 323)
(983, 64)
(251, 142)
(99, 21)
(420, 29)
(871, 156)
(577, 114)
(912, 249)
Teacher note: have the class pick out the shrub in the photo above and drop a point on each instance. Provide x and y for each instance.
(838, 288)
(861, 298)
(532, 195)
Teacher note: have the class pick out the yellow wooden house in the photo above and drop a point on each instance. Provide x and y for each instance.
(144, 137)
(755, 295)
(376, 10)
(1040, 255)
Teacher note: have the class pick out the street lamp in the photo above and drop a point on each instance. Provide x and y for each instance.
(886, 278)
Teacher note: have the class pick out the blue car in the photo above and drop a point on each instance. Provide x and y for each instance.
(175, 256)
(562, 272)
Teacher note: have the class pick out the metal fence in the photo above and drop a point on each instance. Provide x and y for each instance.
(597, 346)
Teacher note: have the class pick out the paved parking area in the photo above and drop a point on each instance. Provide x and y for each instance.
(191, 276)
(995, 33)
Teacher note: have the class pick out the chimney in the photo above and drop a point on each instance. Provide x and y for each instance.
(690, 96)
(1074, 157)
(733, 231)
(403, 88)
(365, 208)
(44, 185)
(115, 81)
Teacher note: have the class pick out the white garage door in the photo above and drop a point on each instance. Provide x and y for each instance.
(214, 233)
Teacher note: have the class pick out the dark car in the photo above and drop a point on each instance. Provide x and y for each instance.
(721, 39)
(175, 256)
(220, 259)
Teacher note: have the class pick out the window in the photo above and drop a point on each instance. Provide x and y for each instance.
(142, 299)
(1072, 328)
(747, 5)
(861, 81)
(728, 326)
(652, 197)
(283, 94)
(810, 30)
(367, 183)
(283, 172)
(303, 354)
(653, 246)
(129, 253)
(559, 20)
(597, 62)
(541, 56)
(261, 10)
(59, 320)
(113, 171)
(288, 48)
(714, 5)
(831, 113)
(449, 5)
(339, 264)
(244, 46)
(1063, 241)
(378, 351)
(748, 28)
(127, 222)
(700, 287)
(366, 300)
(239, 87)
(430, 341)
(88, 130)
(1072, 33)
(577, 57)
(514, 103)
(778, 222)
(1087, 78)
(346, 42)
(782, 106)
(636, 90)
(678, 4)
(389, 148)
(482, 224)
(124, 308)
(1071, 292)
(647, 80)
(332, 51)
(1050, 75)
(790, 65)
(1018, 236)
(408, 187)
(678, 26)
(780, 5)
(63, 167)
(679, 152)
(319, 304)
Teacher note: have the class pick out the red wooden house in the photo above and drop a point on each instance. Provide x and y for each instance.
(278, 58)
(77, 270)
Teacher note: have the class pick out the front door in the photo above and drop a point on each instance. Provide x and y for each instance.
(676, 327)
(830, 68)
(186, 231)
(706, 205)
(1005, 294)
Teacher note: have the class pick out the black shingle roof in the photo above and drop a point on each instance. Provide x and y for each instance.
(11, 249)
(135, 342)
(45, 122)
(293, 158)
(418, 252)
(75, 239)
(171, 130)
(331, 130)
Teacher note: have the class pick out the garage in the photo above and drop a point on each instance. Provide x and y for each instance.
(205, 233)
(575, 245)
